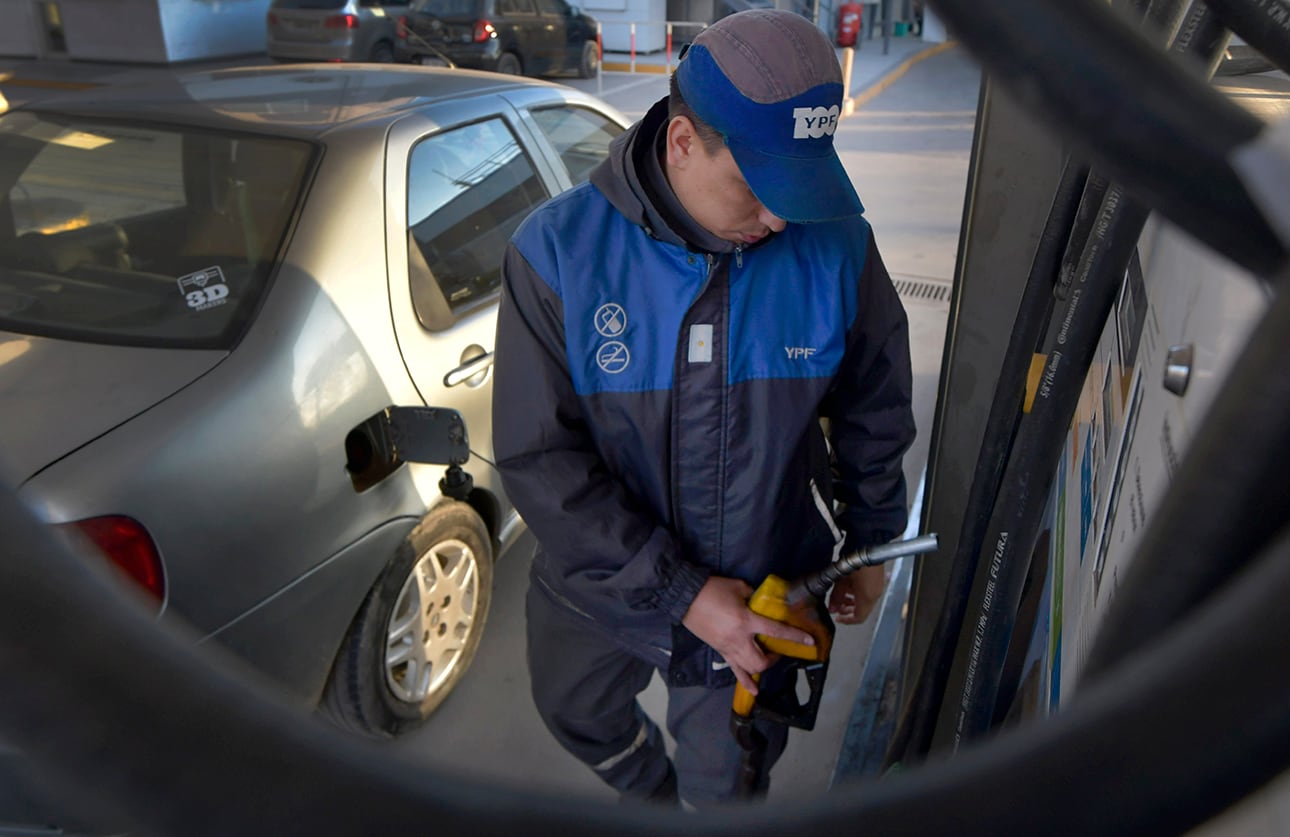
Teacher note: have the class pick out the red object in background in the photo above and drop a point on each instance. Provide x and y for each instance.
(341, 22)
(850, 21)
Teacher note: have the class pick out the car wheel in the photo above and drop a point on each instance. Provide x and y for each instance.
(509, 64)
(382, 53)
(590, 62)
(418, 629)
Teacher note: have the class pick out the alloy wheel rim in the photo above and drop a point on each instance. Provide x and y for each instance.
(432, 620)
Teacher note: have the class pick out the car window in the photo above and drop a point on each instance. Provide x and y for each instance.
(137, 234)
(448, 8)
(552, 7)
(468, 189)
(308, 4)
(515, 7)
(580, 135)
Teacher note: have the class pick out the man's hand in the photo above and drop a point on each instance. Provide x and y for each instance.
(854, 595)
(719, 616)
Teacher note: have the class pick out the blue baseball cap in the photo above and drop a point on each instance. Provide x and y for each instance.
(768, 81)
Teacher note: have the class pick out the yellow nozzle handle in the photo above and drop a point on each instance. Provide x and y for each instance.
(771, 600)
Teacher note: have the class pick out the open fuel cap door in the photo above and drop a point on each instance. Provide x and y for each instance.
(431, 435)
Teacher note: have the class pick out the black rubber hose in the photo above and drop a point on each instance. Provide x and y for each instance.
(913, 734)
(1203, 33)
(1007, 548)
(1149, 124)
(126, 714)
(1263, 24)
(1090, 208)
(1161, 19)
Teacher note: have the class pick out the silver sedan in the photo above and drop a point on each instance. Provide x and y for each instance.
(212, 292)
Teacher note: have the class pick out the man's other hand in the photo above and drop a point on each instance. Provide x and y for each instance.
(854, 595)
(719, 616)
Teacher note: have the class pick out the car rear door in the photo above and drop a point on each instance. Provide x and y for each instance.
(553, 15)
(520, 23)
(442, 23)
(459, 179)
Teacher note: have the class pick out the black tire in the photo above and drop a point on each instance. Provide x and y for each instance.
(382, 53)
(590, 61)
(450, 547)
(509, 64)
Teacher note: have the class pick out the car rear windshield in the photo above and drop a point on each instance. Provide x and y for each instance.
(447, 8)
(308, 4)
(140, 234)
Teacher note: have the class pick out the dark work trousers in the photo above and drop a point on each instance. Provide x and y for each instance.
(585, 686)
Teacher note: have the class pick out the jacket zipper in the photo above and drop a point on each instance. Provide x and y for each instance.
(709, 267)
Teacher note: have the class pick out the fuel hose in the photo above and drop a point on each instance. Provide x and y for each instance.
(1263, 24)
(916, 723)
(1069, 348)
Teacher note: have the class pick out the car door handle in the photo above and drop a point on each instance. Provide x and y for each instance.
(468, 370)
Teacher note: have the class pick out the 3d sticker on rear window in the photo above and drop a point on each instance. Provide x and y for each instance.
(204, 289)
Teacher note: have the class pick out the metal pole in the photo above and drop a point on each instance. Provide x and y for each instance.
(848, 63)
(886, 26)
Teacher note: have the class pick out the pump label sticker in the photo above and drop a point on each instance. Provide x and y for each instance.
(204, 289)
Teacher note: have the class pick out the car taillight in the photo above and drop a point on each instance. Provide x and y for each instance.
(401, 28)
(129, 546)
(341, 22)
(484, 30)
(272, 19)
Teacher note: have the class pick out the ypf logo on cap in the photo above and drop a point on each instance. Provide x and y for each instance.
(813, 123)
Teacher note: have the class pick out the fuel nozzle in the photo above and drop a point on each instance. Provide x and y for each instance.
(817, 584)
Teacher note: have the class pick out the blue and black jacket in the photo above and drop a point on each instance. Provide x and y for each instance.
(660, 411)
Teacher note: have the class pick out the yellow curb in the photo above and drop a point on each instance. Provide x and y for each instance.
(619, 67)
(856, 102)
(9, 81)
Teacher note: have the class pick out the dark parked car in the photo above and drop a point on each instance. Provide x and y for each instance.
(532, 37)
(332, 30)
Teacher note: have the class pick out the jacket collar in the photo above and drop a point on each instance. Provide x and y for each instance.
(633, 181)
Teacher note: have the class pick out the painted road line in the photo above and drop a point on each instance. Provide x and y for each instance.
(859, 101)
(620, 67)
(9, 80)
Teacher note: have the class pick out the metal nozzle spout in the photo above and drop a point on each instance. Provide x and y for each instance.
(819, 583)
